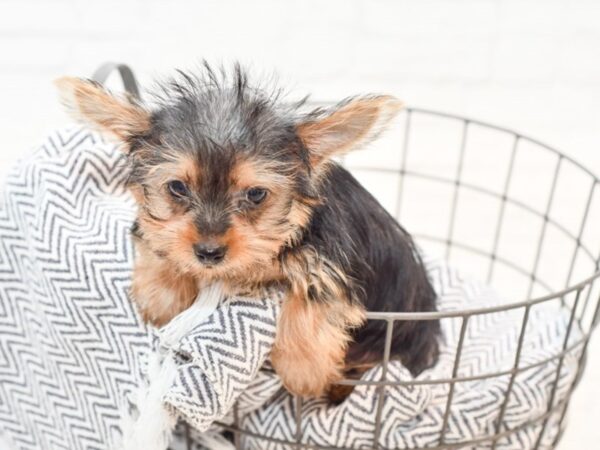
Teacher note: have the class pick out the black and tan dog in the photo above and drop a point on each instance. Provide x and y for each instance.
(236, 186)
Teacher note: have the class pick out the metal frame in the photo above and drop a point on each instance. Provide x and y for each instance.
(585, 296)
(584, 309)
(126, 74)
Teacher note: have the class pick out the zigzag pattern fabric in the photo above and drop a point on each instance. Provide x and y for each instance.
(72, 346)
(220, 359)
(412, 415)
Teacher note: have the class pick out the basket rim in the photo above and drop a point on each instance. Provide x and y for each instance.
(505, 130)
(432, 315)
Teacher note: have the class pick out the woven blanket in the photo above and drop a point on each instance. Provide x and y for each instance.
(73, 350)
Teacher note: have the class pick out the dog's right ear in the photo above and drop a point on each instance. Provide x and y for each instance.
(90, 103)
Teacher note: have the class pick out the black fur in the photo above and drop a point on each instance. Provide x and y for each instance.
(355, 232)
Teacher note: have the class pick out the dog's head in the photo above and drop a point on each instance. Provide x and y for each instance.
(225, 173)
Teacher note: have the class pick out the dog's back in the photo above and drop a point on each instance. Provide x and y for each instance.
(354, 231)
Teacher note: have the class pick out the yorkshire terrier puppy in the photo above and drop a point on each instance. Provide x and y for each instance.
(234, 185)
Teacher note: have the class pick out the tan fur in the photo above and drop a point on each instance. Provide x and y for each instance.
(313, 335)
(248, 173)
(159, 291)
(180, 166)
(92, 104)
(156, 198)
(348, 127)
(311, 342)
(172, 238)
(246, 248)
(299, 215)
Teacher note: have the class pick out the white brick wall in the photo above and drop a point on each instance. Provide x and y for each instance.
(533, 65)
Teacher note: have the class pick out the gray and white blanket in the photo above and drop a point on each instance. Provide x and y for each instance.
(73, 349)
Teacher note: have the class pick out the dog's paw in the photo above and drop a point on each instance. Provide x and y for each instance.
(306, 372)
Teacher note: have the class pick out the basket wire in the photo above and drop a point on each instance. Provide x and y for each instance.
(583, 309)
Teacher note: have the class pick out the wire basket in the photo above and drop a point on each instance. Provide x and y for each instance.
(504, 208)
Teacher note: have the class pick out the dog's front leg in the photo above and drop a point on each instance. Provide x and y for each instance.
(311, 342)
(158, 289)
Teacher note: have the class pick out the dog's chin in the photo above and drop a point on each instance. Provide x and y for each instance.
(206, 272)
(235, 276)
(209, 272)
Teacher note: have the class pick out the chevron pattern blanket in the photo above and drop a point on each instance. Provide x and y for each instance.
(72, 348)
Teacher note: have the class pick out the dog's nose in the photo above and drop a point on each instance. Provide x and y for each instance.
(209, 253)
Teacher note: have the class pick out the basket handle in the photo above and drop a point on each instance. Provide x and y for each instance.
(129, 82)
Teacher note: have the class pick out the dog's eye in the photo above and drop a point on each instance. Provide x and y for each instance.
(177, 188)
(256, 195)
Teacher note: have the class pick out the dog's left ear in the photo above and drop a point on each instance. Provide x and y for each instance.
(348, 126)
(90, 103)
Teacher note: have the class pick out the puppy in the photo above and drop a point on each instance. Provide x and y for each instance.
(234, 185)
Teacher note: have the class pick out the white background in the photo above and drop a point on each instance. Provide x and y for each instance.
(529, 65)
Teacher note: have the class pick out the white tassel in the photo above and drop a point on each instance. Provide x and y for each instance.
(152, 429)
(205, 304)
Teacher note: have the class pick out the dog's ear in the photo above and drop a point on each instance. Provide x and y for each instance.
(90, 103)
(349, 125)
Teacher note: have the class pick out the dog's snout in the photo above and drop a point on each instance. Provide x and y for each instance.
(210, 253)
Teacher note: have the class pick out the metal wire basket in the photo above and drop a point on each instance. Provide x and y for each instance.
(501, 206)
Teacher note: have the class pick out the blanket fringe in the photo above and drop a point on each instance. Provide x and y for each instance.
(150, 423)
